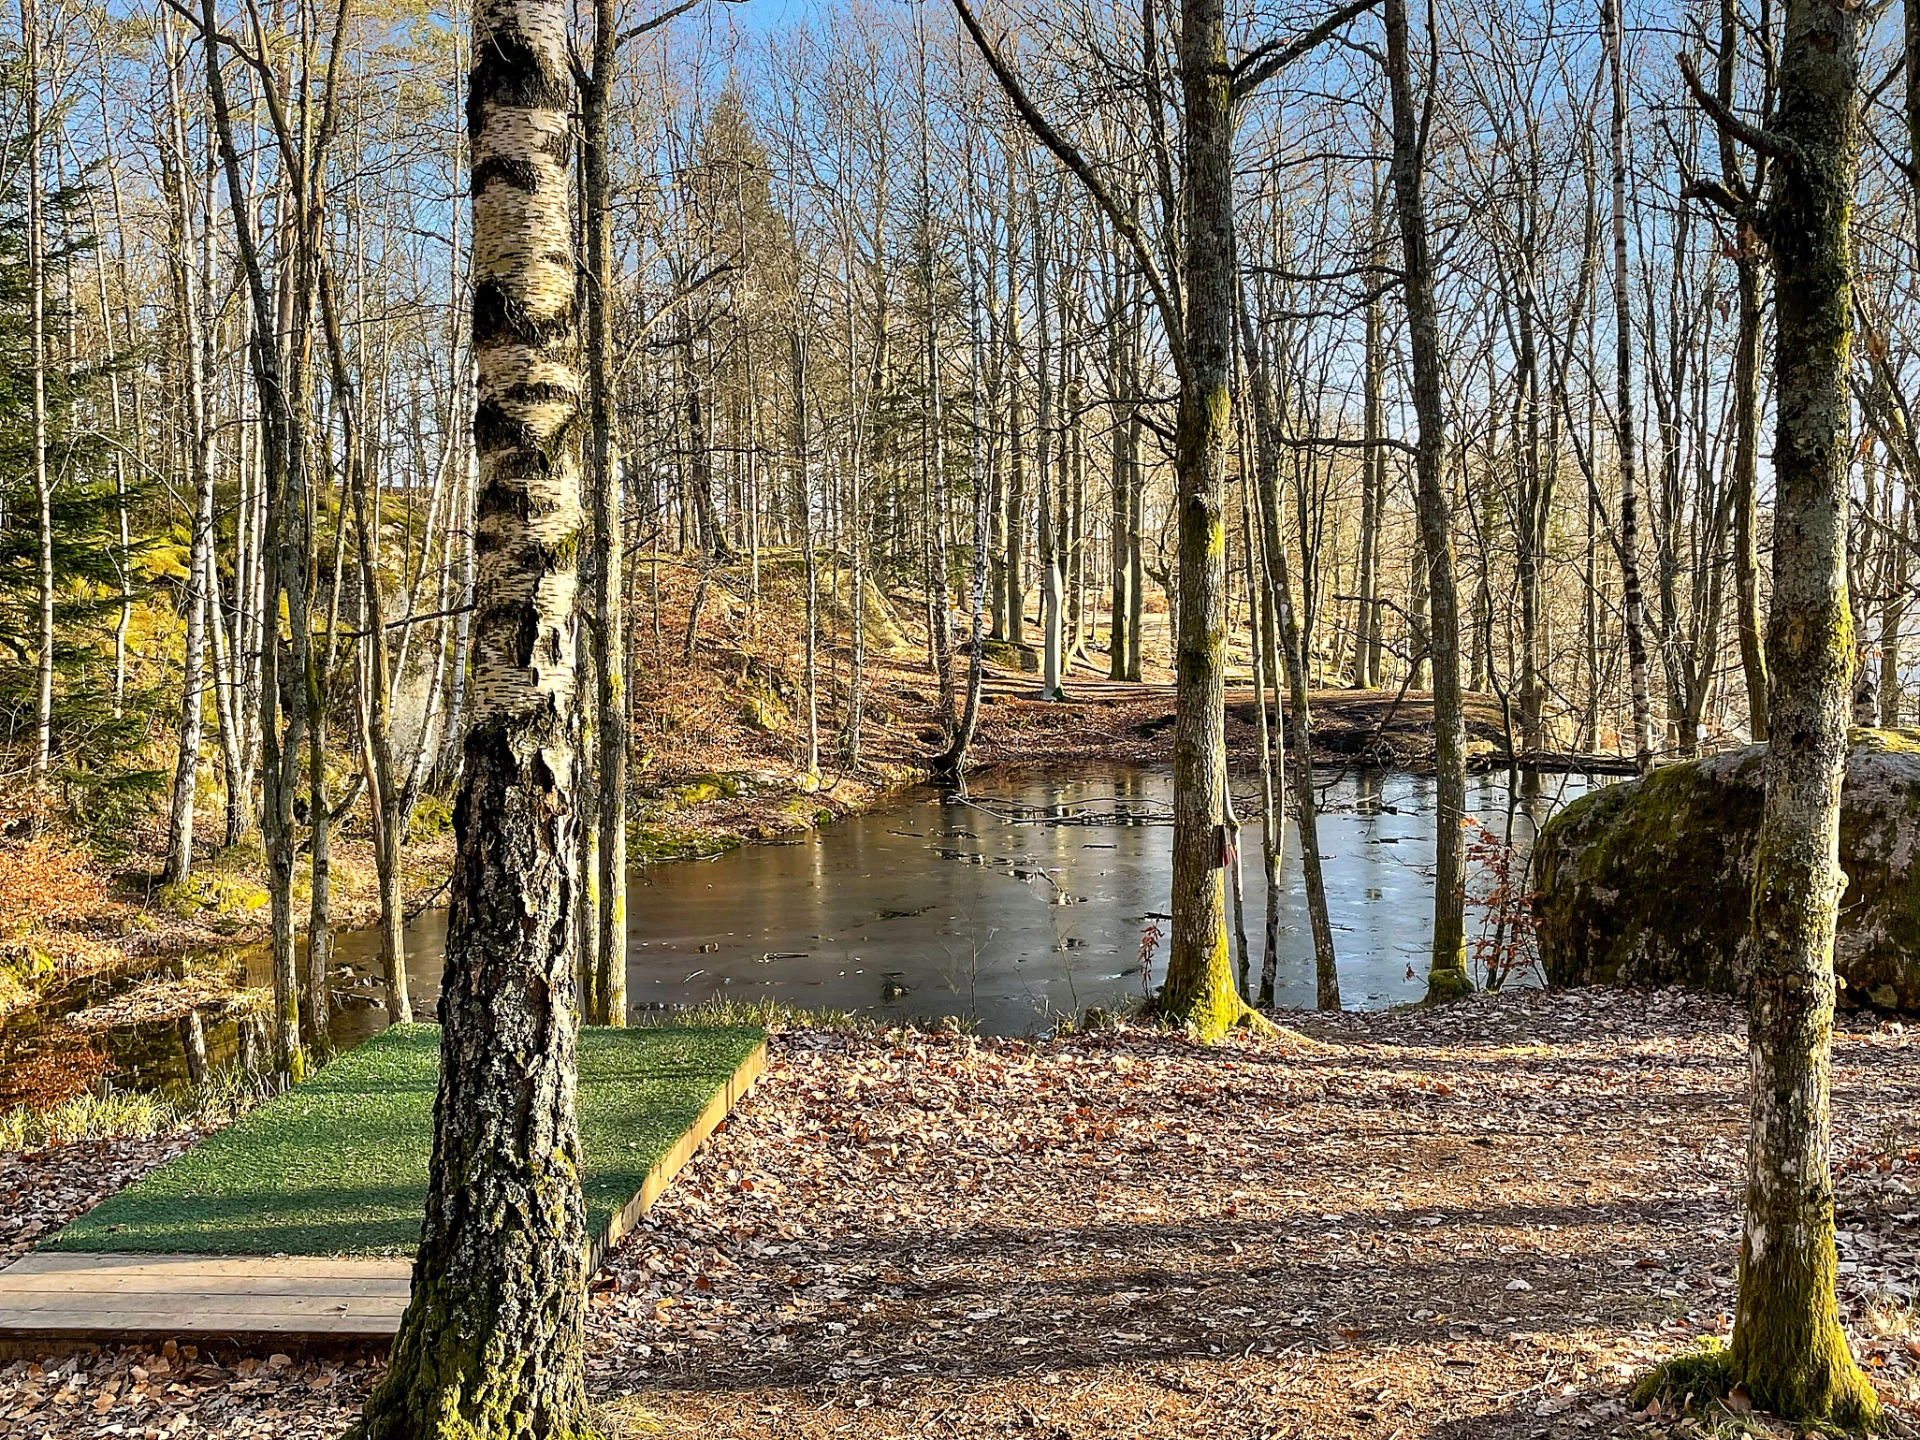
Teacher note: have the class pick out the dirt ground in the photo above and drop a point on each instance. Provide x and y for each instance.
(1466, 1224)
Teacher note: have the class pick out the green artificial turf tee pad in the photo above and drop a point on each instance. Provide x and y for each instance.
(338, 1164)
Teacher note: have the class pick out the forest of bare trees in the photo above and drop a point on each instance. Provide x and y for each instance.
(373, 371)
(846, 304)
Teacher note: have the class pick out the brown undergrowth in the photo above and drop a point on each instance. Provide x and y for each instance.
(720, 731)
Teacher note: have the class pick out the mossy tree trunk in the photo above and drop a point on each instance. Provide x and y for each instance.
(491, 1343)
(1199, 986)
(1447, 970)
(285, 544)
(1788, 1349)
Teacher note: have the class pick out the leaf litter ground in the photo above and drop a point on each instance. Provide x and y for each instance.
(1475, 1222)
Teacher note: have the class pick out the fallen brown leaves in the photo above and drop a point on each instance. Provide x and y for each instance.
(1481, 1221)
(181, 1390)
(1476, 1222)
(41, 1190)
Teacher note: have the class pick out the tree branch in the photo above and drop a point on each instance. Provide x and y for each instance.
(1754, 137)
(1341, 442)
(1716, 192)
(634, 32)
(1262, 64)
(1064, 151)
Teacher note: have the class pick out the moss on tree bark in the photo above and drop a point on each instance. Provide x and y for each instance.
(1788, 1349)
(1199, 988)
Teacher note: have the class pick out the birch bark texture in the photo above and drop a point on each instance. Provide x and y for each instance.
(491, 1343)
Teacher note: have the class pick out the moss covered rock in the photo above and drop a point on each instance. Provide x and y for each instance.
(1647, 882)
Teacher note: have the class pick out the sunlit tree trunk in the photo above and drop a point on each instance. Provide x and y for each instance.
(1626, 436)
(1749, 265)
(609, 948)
(491, 1343)
(1050, 537)
(197, 599)
(1788, 1348)
(1373, 463)
(389, 819)
(803, 521)
(37, 336)
(1447, 969)
(280, 570)
(981, 466)
(1199, 987)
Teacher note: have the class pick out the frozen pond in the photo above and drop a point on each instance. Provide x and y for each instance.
(984, 909)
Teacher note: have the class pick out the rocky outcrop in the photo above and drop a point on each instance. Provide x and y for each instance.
(1647, 882)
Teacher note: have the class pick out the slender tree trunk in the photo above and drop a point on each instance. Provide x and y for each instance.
(1120, 488)
(1625, 430)
(1050, 618)
(454, 742)
(1014, 365)
(980, 468)
(1273, 818)
(1199, 986)
(609, 619)
(197, 599)
(1893, 607)
(934, 453)
(37, 333)
(389, 821)
(1299, 719)
(1531, 533)
(280, 570)
(1746, 450)
(491, 1344)
(1366, 637)
(124, 556)
(1788, 1348)
(1447, 971)
(1136, 507)
(803, 520)
(853, 522)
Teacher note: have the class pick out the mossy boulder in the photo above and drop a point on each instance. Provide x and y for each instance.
(1648, 882)
(224, 889)
(1014, 657)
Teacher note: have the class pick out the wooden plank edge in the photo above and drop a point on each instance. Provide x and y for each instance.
(102, 1262)
(722, 1104)
(19, 1345)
